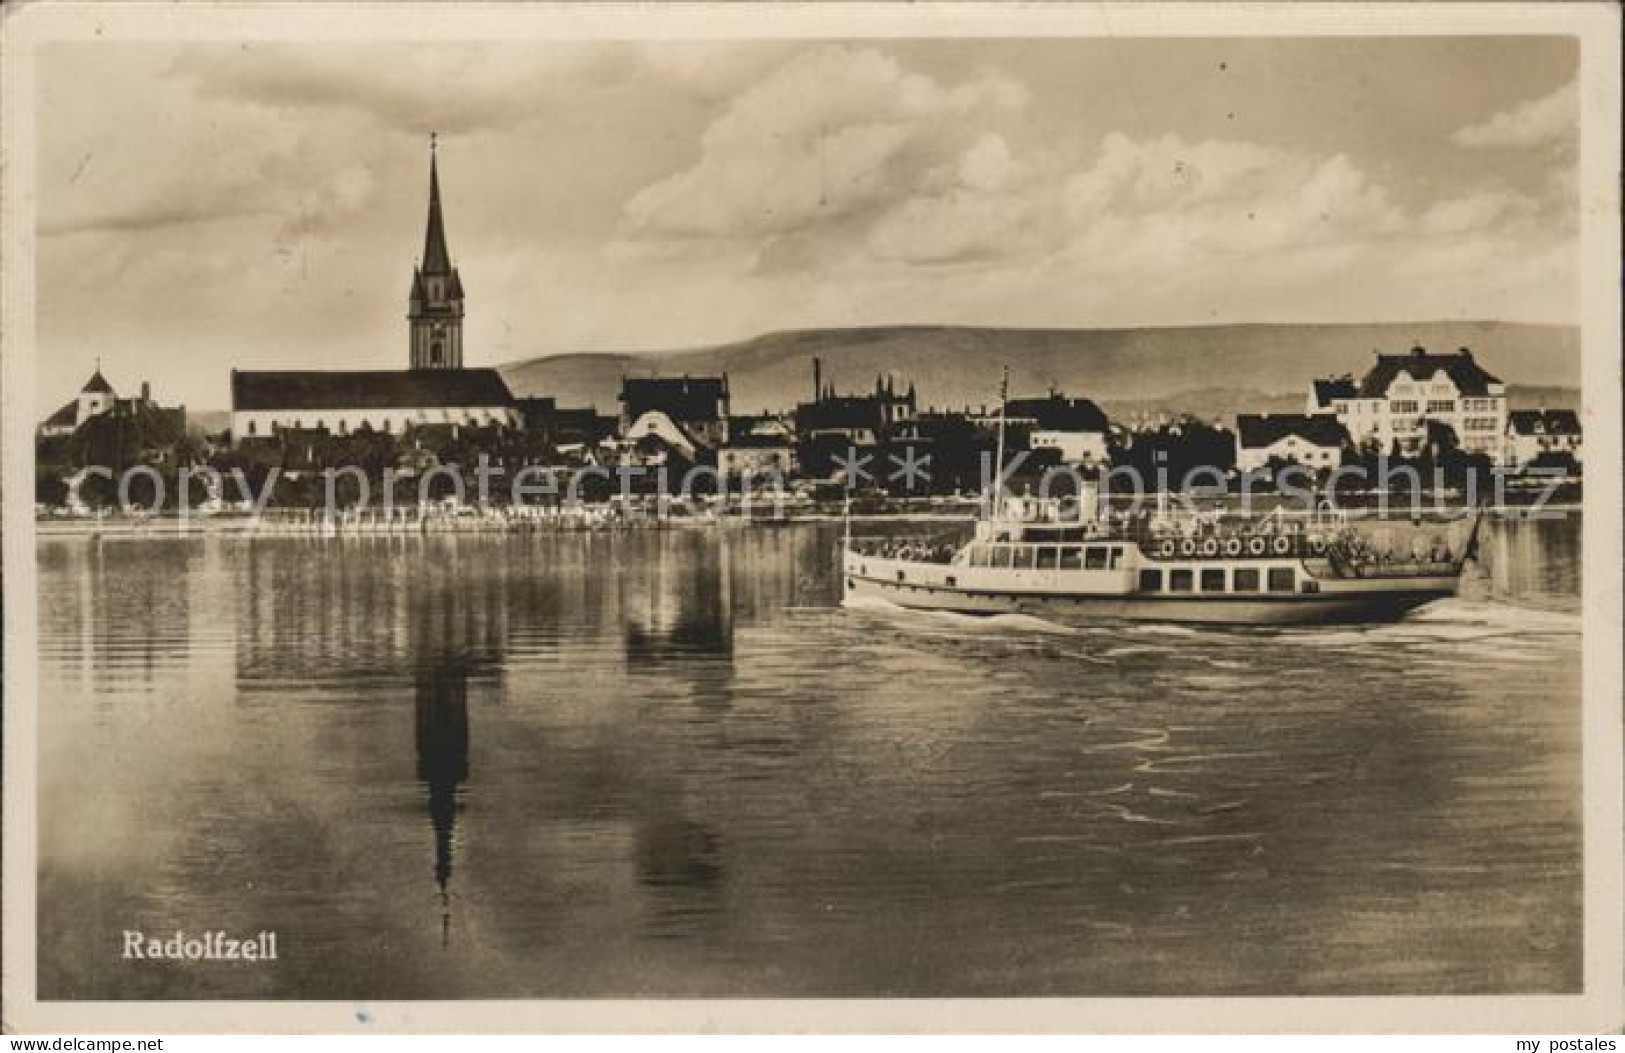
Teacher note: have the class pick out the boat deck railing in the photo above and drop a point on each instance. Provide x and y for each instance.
(1397, 568)
(913, 549)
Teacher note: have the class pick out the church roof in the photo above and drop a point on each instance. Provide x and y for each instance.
(436, 260)
(98, 383)
(367, 389)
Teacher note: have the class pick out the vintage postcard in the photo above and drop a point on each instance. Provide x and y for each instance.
(812, 517)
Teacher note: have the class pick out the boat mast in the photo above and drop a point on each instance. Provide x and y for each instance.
(998, 464)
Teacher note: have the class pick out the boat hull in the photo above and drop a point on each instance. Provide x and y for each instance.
(1365, 601)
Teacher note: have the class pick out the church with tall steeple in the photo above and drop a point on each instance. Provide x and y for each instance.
(436, 311)
(436, 391)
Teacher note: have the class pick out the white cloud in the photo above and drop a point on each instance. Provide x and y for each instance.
(953, 227)
(606, 197)
(988, 166)
(1152, 203)
(977, 207)
(1548, 119)
(844, 169)
(1475, 211)
(832, 134)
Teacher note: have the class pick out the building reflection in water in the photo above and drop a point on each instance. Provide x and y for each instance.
(131, 611)
(676, 602)
(440, 707)
(679, 863)
(376, 610)
(443, 619)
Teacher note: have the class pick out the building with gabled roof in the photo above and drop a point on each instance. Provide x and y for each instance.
(266, 403)
(1533, 433)
(1327, 396)
(1313, 440)
(97, 397)
(1075, 428)
(1403, 394)
(863, 420)
(696, 407)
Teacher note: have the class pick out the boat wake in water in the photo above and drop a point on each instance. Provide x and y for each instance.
(1447, 619)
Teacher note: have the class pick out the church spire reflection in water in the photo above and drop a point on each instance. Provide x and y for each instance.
(441, 710)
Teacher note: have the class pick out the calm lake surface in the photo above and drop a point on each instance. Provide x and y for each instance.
(668, 763)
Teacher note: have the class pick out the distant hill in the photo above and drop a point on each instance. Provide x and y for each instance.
(1224, 403)
(1530, 396)
(1219, 403)
(1121, 368)
(207, 422)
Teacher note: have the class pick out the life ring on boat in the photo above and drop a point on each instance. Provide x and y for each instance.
(1165, 547)
(1232, 546)
(1282, 545)
(1256, 546)
(1317, 545)
(1210, 547)
(1187, 547)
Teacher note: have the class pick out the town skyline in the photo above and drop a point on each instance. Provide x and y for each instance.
(933, 195)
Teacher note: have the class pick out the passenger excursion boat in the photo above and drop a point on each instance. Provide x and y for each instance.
(1070, 562)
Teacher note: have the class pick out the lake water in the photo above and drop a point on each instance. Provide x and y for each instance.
(668, 763)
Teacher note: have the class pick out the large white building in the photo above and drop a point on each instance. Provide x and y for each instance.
(1394, 402)
(266, 405)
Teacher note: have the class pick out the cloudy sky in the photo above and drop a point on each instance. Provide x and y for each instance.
(260, 206)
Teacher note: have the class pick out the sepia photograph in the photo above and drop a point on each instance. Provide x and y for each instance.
(874, 504)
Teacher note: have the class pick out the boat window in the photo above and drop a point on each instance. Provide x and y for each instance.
(1282, 579)
(1002, 555)
(1180, 580)
(1150, 581)
(1245, 579)
(1117, 556)
(1047, 557)
(1071, 557)
(1026, 556)
(1094, 558)
(1212, 579)
(980, 556)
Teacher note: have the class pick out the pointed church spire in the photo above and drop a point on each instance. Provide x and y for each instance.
(436, 260)
(435, 307)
